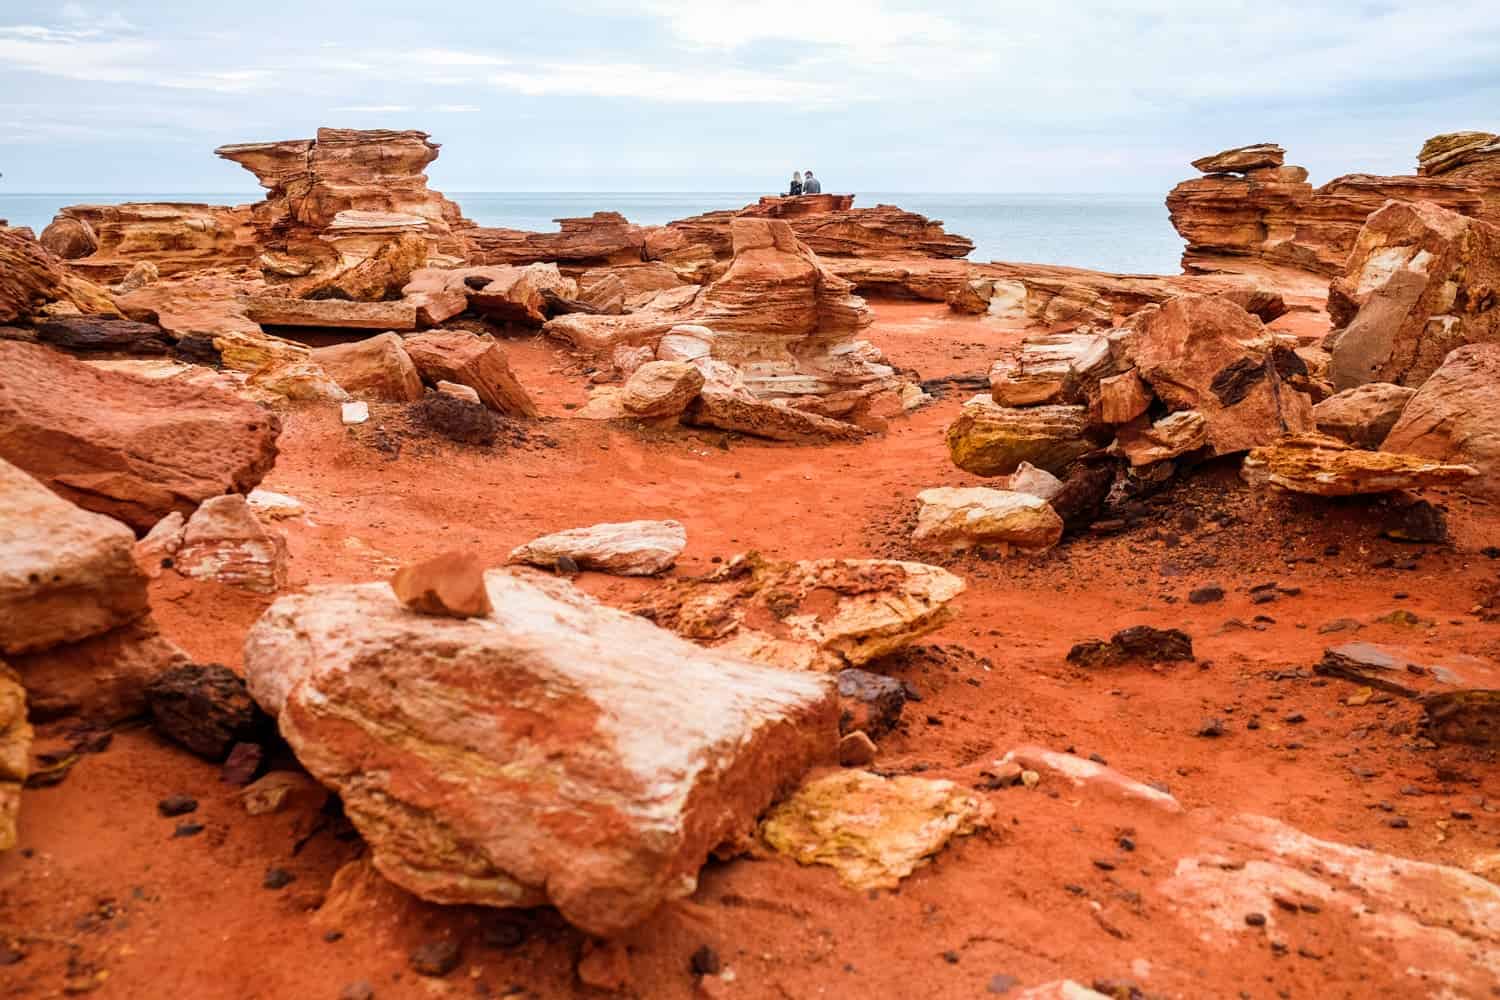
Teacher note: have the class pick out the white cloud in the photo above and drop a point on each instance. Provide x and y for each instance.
(456, 109)
(374, 109)
(649, 83)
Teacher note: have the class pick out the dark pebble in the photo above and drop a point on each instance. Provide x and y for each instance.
(1295, 718)
(177, 805)
(705, 962)
(333, 937)
(1461, 814)
(1397, 823)
(1212, 728)
(1126, 844)
(277, 878)
(951, 957)
(1263, 597)
(435, 958)
(1104, 864)
(1206, 595)
(1255, 919)
(187, 830)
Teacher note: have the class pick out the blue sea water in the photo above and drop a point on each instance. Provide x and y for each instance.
(1107, 232)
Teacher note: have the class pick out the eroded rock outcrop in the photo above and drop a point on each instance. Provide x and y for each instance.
(125, 447)
(105, 242)
(1327, 467)
(1263, 211)
(613, 756)
(33, 280)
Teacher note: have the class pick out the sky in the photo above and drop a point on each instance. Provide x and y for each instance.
(701, 95)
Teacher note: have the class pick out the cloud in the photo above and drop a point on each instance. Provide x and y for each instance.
(374, 109)
(649, 83)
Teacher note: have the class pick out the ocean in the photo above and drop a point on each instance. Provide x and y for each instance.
(1107, 232)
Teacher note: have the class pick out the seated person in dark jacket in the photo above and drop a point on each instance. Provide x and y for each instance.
(811, 185)
(796, 187)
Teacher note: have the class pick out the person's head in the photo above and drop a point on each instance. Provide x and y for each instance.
(809, 173)
(796, 175)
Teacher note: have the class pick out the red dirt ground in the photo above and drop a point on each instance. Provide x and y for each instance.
(100, 885)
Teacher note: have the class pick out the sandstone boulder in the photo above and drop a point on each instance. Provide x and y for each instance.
(101, 679)
(1325, 466)
(818, 614)
(630, 548)
(738, 409)
(122, 446)
(477, 362)
(1422, 280)
(1364, 415)
(1207, 354)
(988, 439)
(1454, 417)
(1123, 397)
(661, 389)
(612, 758)
(226, 542)
(978, 516)
(332, 314)
(1056, 368)
(31, 279)
(873, 831)
(1444, 153)
(377, 368)
(1175, 434)
(65, 574)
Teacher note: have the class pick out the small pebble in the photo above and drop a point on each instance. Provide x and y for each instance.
(177, 805)
(277, 878)
(187, 830)
(1255, 919)
(435, 958)
(705, 962)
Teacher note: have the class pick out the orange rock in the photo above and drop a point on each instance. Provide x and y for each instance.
(449, 584)
(377, 368)
(122, 446)
(471, 360)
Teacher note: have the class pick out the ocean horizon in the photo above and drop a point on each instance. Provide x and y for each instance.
(1127, 233)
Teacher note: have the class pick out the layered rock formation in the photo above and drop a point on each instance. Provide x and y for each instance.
(106, 241)
(611, 759)
(1248, 207)
(34, 283)
(123, 446)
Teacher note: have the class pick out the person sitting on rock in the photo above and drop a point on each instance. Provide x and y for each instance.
(796, 187)
(811, 185)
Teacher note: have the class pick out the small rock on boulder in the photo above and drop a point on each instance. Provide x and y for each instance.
(450, 584)
(1242, 159)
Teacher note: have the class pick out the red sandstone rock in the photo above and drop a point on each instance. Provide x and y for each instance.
(31, 279)
(613, 756)
(337, 314)
(1455, 417)
(471, 360)
(1242, 160)
(105, 241)
(601, 238)
(65, 574)
(1207, 354)
(376, 368)
(1364, 415)
(125, 447)
(450, 584)
(99, 679)
(1421, 281)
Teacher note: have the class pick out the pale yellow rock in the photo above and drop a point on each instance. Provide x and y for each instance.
(1325, 466)
(15, 753)
(988, 439)
(873, 831)
(661, 388)
(961, 518)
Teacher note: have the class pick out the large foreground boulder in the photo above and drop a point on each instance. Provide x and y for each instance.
(1421, 281)
(1455, 417)
(125, 447)
(554, 752)
(65, 574)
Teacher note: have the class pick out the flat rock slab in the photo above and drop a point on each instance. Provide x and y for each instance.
(336, 314)
(629, 548)
(1399, 671)
(815, 614)
(1327, 467)
(125, 447)
(65, 574)
(873, 831)
(962, 518)
(554, 752)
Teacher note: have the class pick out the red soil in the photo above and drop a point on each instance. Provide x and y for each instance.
(100, 884)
